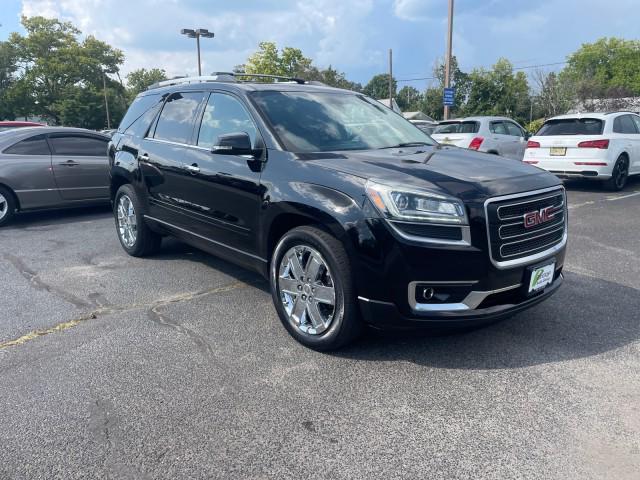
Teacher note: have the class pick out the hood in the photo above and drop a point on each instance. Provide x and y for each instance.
(465, 174)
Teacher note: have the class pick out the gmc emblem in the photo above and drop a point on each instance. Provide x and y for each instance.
(531, 219)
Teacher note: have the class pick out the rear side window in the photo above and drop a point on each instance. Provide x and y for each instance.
(513, 129)
(498, 128)
(624, 124)
(636, 120)
(177, 117)
(458, 127)
(572, 126)
(78, 145)
(137, 109)
(36, 145)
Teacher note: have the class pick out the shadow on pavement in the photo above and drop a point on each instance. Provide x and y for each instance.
(584, 185)
(586, 317)
(47, 218)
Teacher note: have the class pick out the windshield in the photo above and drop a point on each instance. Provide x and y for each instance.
(458, 127)
(320, 122)
(572, 126)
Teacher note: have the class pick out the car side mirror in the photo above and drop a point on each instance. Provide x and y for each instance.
(236, 143)
(528, 135)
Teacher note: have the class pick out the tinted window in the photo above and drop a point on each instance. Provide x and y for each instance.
(177, 117)
(498, 128)
(139, 106)
(78, 145)
(458, 127)
(624, 124)
(513, 129)
(224, 114)
(636, 120)
(36, 145)
(572, 126)
(325, 121)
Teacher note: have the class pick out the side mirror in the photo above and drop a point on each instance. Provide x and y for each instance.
(237, 143)
(527, 135)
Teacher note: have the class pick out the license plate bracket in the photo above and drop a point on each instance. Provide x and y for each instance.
(538, 277)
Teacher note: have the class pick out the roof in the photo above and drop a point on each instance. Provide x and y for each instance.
(417, 116)
(10, 136)
(476, 118)
(601, 116)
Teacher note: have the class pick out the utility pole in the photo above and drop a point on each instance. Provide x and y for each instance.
(106, 100)
(391, 79)
(447, 64)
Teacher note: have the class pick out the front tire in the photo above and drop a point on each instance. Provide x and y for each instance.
(619, 175)
(312, 289)
(137, 239)
(7, 206)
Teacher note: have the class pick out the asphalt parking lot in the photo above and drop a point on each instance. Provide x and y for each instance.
(177, 366)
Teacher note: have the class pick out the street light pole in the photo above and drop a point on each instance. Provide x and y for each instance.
(106, 101)
(197, 33)
(447, 64)
(391, 79)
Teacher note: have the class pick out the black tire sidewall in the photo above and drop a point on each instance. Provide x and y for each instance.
(11, 206)
(612, 183)
(331, 337)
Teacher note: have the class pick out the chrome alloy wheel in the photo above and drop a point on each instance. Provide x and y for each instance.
(4, 206)
(307, 290)
(127, 224)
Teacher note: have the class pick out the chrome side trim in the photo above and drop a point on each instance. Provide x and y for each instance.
(531, 258)
(171, 225)
(470, 302)
(465, 242)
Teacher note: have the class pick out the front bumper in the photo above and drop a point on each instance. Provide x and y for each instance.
(387, 315)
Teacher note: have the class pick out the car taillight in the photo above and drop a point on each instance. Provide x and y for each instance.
(532, 144)
(594, 144)
(475, 143)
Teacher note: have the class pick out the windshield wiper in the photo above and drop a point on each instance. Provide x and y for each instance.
(408, 144)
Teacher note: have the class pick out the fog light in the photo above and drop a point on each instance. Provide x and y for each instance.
(428, 293)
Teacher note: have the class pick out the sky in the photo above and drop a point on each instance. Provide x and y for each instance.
(353, 36)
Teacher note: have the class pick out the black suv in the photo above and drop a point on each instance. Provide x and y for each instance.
(353, 214)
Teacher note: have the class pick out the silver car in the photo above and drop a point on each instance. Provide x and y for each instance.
(498, 135)
(51, 167)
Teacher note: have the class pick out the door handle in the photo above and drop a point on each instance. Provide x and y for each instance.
(69, 163)
(144, 157)
(194, 168)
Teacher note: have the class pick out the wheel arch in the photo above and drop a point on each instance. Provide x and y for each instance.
(16, 199)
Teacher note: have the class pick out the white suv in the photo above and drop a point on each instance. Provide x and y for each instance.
(498, 135)
(601, 146)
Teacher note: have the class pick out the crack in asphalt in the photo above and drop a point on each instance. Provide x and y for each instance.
(39, 284)
(153, 314)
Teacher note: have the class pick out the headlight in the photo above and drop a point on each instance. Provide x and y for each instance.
(400, 203)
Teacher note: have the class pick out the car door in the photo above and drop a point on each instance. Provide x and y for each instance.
(517, 140)
(500, 138)
(634, 163)
(80, 165)
(225, 195)
(25, 166)
(161, 157)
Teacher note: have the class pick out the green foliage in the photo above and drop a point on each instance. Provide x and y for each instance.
(534, 125)
(609, 67)
(378, 86)
(60, 77)
(139, 80)
(409, 99)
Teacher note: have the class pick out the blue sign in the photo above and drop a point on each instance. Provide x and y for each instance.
(448, 97)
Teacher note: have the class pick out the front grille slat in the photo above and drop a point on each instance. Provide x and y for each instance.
(509, 237)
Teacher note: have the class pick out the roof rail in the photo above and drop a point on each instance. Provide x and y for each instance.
(215, 77)
(274, 77)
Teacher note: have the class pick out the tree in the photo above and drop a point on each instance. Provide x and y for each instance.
(378, 86)
(409, 99)
(608, 67)
(8, 68)
(140, 79)
(56, 69)
(555, 95)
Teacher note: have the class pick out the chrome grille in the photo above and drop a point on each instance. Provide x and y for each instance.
(525, 226)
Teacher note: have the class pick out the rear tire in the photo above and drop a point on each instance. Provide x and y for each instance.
(7, 206)
(619, 175)
(331, 319)
(137, 239)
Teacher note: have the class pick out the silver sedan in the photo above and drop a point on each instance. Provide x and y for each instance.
(51, 167)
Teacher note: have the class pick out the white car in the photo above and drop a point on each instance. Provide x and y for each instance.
(498, 135)
(600, 146)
